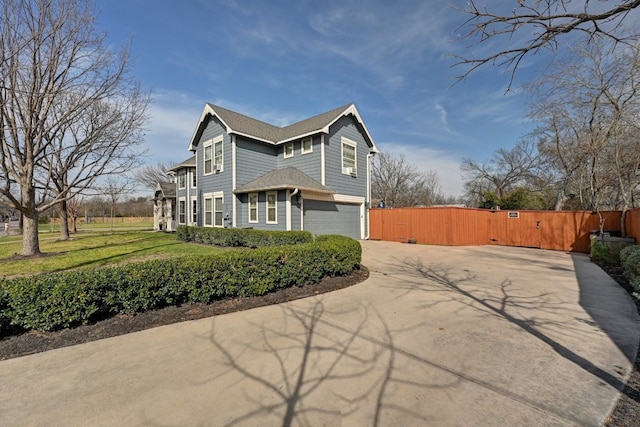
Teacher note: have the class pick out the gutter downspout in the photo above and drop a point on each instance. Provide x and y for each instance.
(367, 201)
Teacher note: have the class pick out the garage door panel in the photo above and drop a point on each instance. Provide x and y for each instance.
(332, 218)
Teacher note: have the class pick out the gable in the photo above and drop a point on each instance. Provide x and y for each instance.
(239, 124)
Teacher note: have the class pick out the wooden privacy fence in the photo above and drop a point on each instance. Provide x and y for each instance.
(559, 230)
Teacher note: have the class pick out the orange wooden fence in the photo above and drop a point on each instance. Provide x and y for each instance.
(564, 230)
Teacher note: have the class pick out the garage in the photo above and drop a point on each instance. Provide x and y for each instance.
(328, 217)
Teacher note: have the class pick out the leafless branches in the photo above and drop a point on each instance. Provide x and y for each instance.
(539, 24)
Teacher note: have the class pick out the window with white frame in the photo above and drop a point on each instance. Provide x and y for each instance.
(193, 178)
(349, 159)
(272, 207)
(208, 211)
(208, 158)
(213, 155)
(253, 207)
(307, 145)
(217, 210)
(194, 211)
(288, 149)
(182, 211)
(182, 179)
(217, 154)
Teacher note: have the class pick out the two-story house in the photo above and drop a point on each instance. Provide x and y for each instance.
(312, 175)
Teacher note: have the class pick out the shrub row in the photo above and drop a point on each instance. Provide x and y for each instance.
(235, 237)
(58, 300)
(630, 260)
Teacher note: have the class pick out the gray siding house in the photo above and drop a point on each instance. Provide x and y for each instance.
(312, 175)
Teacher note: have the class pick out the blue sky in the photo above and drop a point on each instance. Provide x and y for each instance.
(284, 61)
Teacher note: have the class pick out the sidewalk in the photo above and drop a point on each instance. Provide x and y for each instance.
(481, 336)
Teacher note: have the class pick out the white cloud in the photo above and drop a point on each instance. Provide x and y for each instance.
(427, 159)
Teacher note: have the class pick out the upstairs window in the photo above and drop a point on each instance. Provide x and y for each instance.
(193, 178)
(288, 149)
(182, 179)
(307, 146)
(213, 156)
(349, 159)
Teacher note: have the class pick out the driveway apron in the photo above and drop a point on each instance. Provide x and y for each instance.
(443, 336)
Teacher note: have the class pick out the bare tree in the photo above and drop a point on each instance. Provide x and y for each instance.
(539, 24)
(589, 108)
(150, 175)
(74, 207)
(68, 107)
(114, 189)
(508, 169)
(401, 184)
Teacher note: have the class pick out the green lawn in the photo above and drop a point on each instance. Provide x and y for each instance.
(93, 249)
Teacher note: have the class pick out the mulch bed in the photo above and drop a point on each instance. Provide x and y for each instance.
(22, 344)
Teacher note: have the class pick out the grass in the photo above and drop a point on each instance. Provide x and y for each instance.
(92, 249)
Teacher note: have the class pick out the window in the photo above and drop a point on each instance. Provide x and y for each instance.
(208, 211)
(208, 159)
(193, 178)
(182, 212)
(288, 149)
(272, 207)
(348, 157)
(307, 145)
(217, 154)
(253, 207)
(217, 211)
(213, 156)
(194, 211)
(182, 179)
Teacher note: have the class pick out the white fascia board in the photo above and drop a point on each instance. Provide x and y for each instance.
(340, 198)
(207, 110)
(351, 109)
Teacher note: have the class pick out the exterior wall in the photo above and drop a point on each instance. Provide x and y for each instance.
(242, 215)
(335, 179)
(308, 163)
(215, 182)
(253, 159)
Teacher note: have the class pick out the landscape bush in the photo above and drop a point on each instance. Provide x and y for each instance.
(630, 260)
(242, 237)
(59, 300)
(607, 251)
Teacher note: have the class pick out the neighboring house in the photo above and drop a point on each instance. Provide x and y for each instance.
(164, 207)
(312, 175)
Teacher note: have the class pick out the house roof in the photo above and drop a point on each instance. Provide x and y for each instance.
(189, 163)
(165, 190)
(285, 178)
(246, 126)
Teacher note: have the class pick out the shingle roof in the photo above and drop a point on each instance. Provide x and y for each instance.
(284, 178)
(165, 189)
(243, 125)
(189, 163)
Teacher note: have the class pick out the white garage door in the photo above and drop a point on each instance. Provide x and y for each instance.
(332, 218)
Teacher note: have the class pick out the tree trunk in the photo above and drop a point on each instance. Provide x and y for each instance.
(623, 220)
(30, 242)
(64, 220)
(560, 200)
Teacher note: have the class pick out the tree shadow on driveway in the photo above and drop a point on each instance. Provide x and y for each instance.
(310, 369)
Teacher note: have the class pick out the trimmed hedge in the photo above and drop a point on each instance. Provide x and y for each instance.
(239, 237)
(58, 300)
(630, 260)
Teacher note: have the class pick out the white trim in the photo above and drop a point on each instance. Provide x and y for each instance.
(362, 226)
(183, 174)
(205, 197)
(302, 150)
(339, 198)
(266, 207)
(322, 161)
(233, 179)
(284, 149)
(184, 200)
(353, 171)
(218, 195)
(194, 221)
(257, 220)
(288, 210)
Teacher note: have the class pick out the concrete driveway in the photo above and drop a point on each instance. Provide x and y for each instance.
(442, 336)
